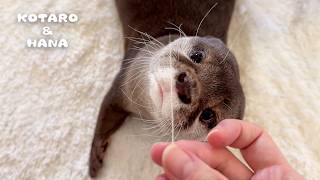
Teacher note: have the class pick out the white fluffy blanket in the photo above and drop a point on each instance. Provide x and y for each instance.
(50, 98)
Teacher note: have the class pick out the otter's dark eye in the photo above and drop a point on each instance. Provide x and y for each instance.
(207, 114)
(208, 117)
(196, 56)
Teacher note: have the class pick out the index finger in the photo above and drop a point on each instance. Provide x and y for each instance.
(256, 146)
(220, 159)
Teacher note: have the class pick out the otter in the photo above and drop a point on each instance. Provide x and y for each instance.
(174, 72)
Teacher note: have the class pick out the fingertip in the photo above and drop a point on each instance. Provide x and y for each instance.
(181, 164)
(161, 177)
(157, 151)
(230, 124)
(224, 133)
(216, 137)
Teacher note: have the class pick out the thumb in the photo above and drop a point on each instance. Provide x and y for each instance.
(179, 164)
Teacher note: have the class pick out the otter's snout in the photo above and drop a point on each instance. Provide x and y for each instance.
(183, 88)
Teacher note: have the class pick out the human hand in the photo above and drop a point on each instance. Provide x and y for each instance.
(194, 160)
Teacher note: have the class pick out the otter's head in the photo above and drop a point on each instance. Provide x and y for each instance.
(196, 81)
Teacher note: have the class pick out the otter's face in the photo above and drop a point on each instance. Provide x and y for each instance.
(196, 81)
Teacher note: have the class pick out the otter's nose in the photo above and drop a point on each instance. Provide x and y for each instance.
(183, 88)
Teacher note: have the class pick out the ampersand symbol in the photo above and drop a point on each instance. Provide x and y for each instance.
(46, 31)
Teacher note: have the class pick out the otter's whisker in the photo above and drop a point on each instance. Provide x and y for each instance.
(133, 77)
(235, 39)
(137, 58)
(177, 28)
(143, 41)
(164, 124)
(133, 67)
(143, 50)
(141, 62)
(205, 17)
(147, 105)
(197, 131)
(227, 106)
(180, 127)
(147, 35)
(135, 86)
(146, 44)
(133, 101)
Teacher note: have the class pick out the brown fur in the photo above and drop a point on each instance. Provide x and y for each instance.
(152, 17)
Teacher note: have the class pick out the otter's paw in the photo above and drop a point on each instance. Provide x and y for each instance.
(98, 149)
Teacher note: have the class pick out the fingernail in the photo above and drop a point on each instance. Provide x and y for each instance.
(179, 163)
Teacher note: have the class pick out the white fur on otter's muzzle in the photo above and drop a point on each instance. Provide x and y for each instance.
(162, 90)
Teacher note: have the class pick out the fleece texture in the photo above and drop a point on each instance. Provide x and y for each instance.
(50, 98)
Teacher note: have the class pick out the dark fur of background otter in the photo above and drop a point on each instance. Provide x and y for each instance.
(205, 73)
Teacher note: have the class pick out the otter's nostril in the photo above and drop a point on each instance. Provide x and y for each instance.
(182, 77)
(183, 88)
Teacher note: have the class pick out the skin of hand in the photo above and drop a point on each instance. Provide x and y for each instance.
(192, 160)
